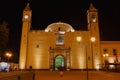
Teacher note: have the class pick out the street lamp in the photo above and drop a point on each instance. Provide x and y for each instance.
(92, 40)
(8, 55)
(105, 55)
(79, 38)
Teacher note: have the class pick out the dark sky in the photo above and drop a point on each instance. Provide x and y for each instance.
(73, 12)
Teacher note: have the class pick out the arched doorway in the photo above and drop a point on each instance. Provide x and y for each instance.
(59, 62)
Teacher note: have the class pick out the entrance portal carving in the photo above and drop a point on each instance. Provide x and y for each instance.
(59, 53)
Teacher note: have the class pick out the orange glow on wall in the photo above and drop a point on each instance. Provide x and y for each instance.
(111, 59)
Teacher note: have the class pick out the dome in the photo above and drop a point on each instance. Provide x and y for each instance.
(59, 26)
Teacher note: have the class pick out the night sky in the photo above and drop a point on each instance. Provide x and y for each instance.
(45, 12)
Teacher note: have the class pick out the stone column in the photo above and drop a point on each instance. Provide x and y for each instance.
(51, 58)
(68, 59)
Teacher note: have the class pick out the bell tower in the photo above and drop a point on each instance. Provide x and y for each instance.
(93, 28)
(92, 20)
(26, 23)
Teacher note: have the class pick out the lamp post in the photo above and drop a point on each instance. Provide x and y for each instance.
(79, 38)
(92, 40)
(8, 55)
(105, 55)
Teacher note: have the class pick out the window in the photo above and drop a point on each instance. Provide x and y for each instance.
(37, 46)
(114, 52)
(93, 18)
(59, 28)
(105, 50)
(60, 40)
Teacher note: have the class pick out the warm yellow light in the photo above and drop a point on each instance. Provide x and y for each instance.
(111, 59)
(93, 39)
(79, 38)
(112, 66)
(22, 65)
(97, 62)
(105, 55)
(26, 16)
(8, 54)
(97, 67)
(94, 20)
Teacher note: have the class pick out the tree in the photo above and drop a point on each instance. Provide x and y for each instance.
(4, 35)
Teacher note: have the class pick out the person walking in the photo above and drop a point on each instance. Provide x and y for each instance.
(60, 71)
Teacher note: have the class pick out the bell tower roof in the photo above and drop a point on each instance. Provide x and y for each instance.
(92, 8)
(27, 7)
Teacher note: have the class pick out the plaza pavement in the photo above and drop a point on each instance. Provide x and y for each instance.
(54, 75)
(77, 75)
(16, 75)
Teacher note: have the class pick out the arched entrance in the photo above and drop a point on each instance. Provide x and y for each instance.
(59, 56)
(59, 62)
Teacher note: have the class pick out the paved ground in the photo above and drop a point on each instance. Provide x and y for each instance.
(77, 75)
(16, 75)
(67, 75)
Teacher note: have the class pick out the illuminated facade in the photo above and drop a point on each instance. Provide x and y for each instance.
(57, 45)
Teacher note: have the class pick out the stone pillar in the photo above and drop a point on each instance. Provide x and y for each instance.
(68, 59)
(51, 58)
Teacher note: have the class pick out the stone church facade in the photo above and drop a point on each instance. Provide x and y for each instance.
(60, 45)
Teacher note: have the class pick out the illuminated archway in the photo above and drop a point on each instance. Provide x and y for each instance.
(59, 62)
